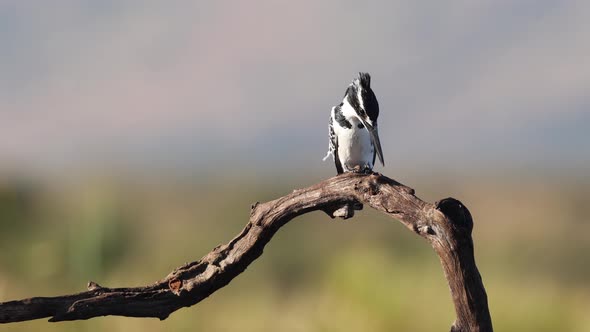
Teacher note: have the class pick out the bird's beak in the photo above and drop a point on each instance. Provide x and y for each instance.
(375, 138)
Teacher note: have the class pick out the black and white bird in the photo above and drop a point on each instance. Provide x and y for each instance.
(354, 138)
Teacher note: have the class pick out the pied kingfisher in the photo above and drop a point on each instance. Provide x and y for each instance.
(354, 139)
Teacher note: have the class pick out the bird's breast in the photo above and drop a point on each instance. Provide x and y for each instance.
(354, 145)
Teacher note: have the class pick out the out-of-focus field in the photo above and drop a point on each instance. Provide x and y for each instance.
(531, 237)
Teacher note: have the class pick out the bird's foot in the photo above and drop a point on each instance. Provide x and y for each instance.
(357, 169)
(367, 169)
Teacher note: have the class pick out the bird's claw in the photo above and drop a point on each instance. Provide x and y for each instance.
(362, 170)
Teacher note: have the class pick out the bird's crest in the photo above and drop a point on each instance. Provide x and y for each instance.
(364, 80)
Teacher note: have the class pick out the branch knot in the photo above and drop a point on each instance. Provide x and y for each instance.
(456, 213)
(175, 286)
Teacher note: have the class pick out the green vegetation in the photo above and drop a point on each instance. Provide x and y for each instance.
(318, 274)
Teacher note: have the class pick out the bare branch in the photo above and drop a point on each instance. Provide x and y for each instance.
(446, 225)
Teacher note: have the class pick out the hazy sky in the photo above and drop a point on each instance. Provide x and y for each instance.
(142, 84)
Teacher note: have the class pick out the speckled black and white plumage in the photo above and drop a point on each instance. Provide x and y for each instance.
(354, 138)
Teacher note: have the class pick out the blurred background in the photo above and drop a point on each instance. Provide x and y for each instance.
(135, 135)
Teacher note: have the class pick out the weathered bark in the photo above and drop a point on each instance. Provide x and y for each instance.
(446, 225)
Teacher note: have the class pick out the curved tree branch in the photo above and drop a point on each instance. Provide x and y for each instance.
(446, 225)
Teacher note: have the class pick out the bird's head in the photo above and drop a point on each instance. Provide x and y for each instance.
(364, 102)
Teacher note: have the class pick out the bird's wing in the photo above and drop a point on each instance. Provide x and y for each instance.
(333, 143)
(377, 143)
(374, 155)
(339, 168)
